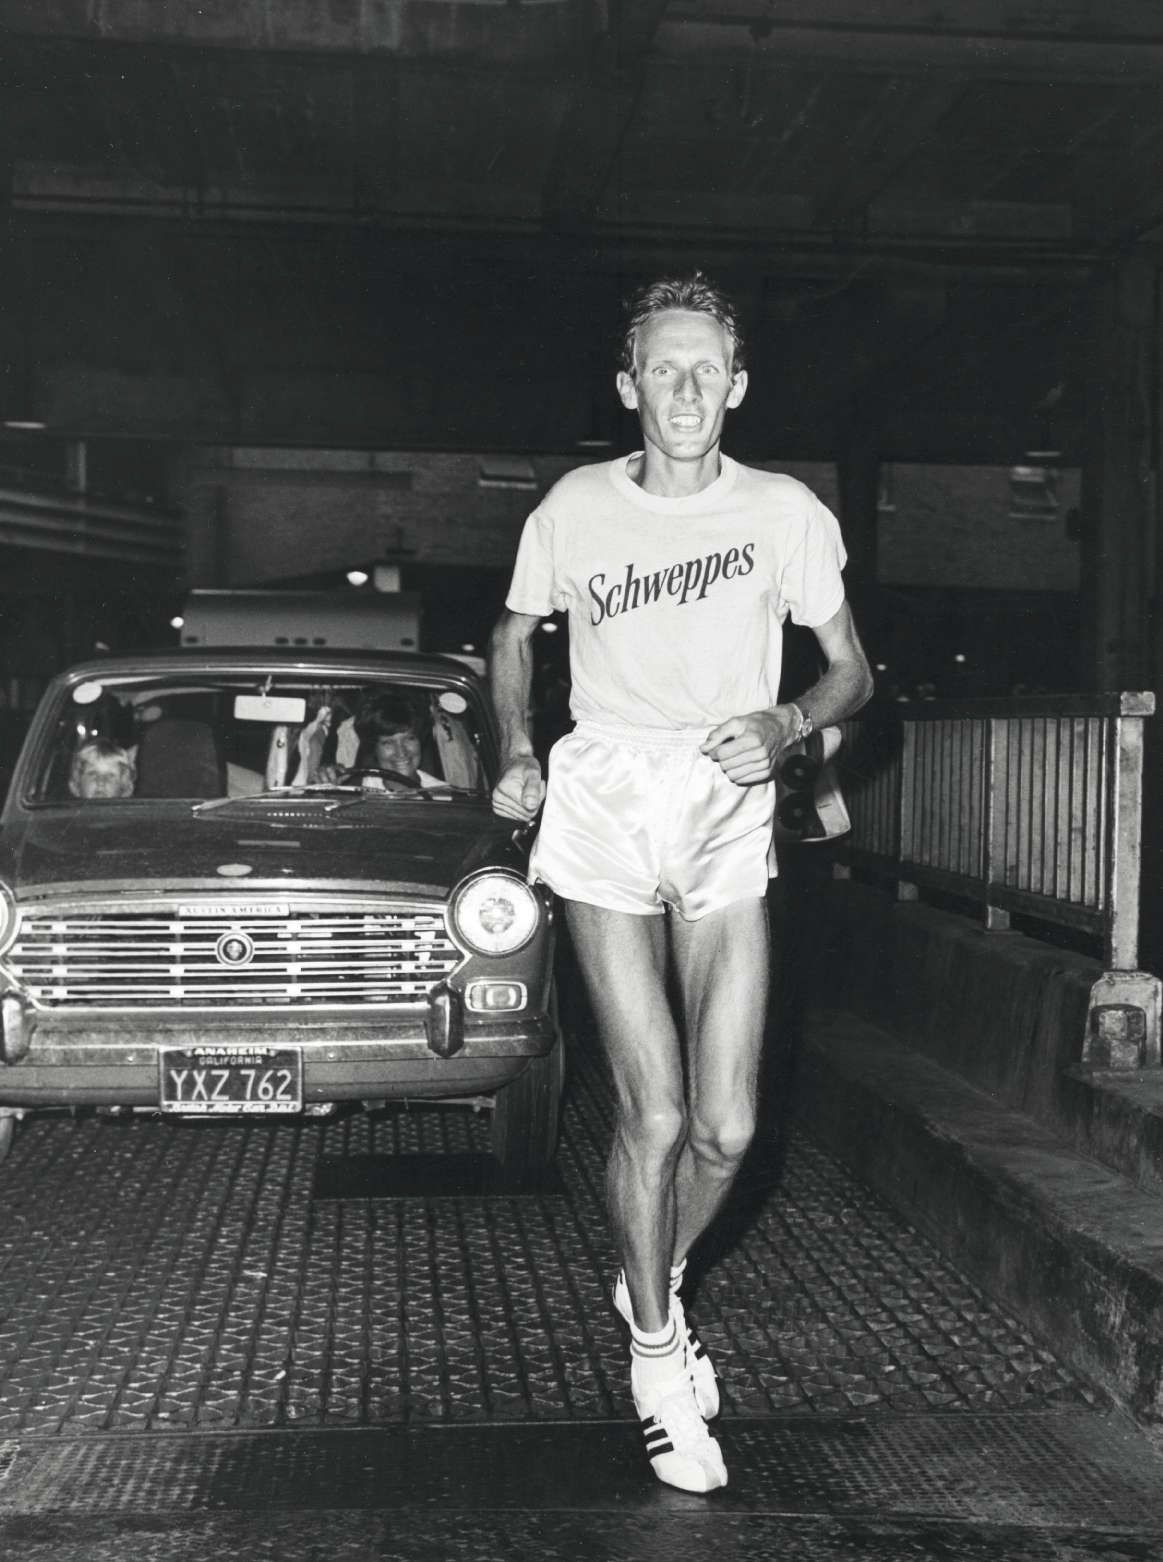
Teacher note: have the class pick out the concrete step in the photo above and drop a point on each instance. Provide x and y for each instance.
(1074, 1246)
(1116, 1118)
(1004, 1012)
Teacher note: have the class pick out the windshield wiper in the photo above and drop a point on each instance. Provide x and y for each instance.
(269, 794)
(350, 794)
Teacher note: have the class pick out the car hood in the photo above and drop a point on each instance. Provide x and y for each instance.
(429, 844)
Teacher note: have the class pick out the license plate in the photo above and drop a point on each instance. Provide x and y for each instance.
(205, 1081)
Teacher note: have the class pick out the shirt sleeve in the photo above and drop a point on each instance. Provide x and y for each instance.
(811, 585)
(535, 587)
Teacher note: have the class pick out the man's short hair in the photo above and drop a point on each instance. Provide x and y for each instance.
(695, 293)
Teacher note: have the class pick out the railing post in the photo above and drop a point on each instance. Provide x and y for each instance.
(1122, 858)
(996, 919)
(906, 889)
(1123, 1020)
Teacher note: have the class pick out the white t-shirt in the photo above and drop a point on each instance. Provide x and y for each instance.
(676, 606)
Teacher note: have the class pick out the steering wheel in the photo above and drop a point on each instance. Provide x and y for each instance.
(411, 783)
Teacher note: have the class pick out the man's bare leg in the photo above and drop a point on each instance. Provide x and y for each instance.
(670, 1170)
(623, 959)
(723, 966)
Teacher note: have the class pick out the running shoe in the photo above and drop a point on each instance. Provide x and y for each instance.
(680, 1449)
(698, 1363)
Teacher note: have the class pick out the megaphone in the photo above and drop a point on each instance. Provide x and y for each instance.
(809, 805)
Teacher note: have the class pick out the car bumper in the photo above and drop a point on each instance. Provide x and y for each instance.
(115, 1061)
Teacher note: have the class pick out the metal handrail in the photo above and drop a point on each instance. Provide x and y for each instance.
(1030, 805)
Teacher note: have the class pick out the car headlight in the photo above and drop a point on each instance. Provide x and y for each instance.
(495, 913)
(9, 918)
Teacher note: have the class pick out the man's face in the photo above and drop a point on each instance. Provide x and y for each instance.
(683, 383)
(398, 751)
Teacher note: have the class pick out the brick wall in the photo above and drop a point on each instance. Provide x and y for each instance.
(264, 515)
(952, 526)
(289, 513)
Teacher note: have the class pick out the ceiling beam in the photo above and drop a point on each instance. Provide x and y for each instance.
(1130, 19)
(424, 28)
(431, 246)
(600, 110)
(1062, 58)
(1128, 204)
(365, 26)
(907, 112)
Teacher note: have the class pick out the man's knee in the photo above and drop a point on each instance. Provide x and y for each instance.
(723, 1142)
(653, 1133)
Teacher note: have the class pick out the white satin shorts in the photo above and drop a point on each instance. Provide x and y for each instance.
(637, 820)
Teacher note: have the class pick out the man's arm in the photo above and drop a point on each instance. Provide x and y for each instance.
(747, 747)
(519, 791)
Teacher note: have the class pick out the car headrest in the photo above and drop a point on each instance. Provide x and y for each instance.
(177, 757)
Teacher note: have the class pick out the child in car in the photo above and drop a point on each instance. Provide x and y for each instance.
(102, 769)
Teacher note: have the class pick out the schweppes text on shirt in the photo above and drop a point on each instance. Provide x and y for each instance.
(688, 581)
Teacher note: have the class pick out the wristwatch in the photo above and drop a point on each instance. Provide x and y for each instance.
(805, 723)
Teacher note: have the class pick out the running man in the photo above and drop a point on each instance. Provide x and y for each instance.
(677, 567)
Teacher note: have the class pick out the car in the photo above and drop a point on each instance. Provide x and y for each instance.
(214, 901)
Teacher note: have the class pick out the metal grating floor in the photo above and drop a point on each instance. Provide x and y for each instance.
(993, 1486)
(160, 1276)
(1001, 1468)
(345, 1536)
(200, 1356)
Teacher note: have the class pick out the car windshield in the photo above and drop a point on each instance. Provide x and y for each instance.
(217, 737)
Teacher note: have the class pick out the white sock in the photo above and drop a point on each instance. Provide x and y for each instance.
(655, 1357)
(677, 1271)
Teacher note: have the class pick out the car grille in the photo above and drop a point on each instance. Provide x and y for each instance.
(158, 959)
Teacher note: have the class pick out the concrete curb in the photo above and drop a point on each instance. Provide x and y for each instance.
(1075, 1248)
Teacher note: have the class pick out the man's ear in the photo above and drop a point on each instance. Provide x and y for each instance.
(738, 388)
(627, 390)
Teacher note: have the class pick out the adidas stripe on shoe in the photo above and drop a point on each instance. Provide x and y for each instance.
(698, 1363)
(680, 1449)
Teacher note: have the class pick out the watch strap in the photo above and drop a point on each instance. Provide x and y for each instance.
(805, 728)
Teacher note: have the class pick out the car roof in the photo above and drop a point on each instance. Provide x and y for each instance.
(421, 666)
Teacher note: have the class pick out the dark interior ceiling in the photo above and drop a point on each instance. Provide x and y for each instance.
(409, 222)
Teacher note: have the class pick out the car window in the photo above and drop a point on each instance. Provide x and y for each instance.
(203, 737)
